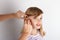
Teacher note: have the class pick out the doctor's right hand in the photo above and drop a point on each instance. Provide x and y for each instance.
(27, 28)
(19, 14)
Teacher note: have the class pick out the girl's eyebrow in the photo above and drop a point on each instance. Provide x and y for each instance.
(41, 18)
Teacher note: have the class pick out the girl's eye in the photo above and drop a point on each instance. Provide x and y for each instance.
(40, 18)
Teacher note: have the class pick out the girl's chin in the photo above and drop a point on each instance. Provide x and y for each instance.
(38, 27)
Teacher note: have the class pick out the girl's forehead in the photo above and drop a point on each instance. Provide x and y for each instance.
(40, 16)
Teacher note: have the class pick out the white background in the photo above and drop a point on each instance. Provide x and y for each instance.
(10, 29)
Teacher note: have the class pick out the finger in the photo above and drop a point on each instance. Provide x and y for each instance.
(25, 21)
(29, 22)
(20, 11)
(25, 24)
(32, 23)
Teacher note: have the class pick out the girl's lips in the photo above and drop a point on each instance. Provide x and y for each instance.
(38, 24)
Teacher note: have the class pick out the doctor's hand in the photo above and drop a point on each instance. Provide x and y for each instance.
(19, 14)
(27, 28)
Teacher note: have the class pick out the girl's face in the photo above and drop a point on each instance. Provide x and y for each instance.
(36, 22)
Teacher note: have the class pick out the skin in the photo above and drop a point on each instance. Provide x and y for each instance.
(30, 26)
(18, 15)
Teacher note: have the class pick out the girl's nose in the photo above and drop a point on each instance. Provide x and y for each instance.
(39, 22)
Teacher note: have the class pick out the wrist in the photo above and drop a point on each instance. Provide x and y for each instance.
(26, 34)
(14, 15)
(17, 16)
(23, 36)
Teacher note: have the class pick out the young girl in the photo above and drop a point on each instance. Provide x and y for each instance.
(32, 29)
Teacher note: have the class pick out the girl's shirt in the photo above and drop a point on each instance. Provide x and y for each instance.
(35, 37)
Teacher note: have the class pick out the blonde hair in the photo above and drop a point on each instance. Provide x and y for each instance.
(34, 11)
